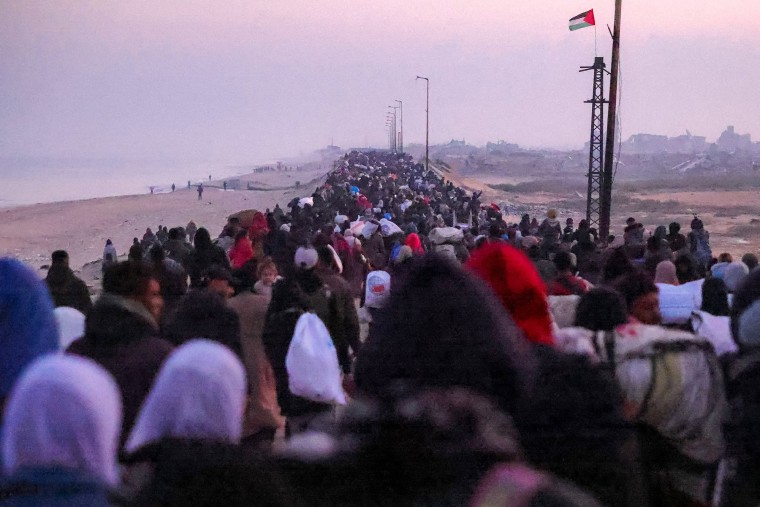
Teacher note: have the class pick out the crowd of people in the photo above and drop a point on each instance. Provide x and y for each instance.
(484, 361)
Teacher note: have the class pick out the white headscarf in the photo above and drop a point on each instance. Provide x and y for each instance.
(198, 394)
(70, 325)
(65, 411)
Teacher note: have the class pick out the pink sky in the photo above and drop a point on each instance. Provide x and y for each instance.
(250, 80)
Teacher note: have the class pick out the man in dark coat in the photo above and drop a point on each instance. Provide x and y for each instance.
(122, 334)
(301, 292)
(375, 250)
(345, 326)
(65, 287)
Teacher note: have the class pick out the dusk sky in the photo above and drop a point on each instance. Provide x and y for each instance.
(246, 81)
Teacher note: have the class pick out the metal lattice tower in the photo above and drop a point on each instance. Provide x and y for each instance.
(596, 145)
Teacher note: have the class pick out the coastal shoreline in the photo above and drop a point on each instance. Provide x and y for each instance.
(32, 232)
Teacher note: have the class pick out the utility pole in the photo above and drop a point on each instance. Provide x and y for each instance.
(595, 156)
(401, 133)
(427, 122)
(609, 152)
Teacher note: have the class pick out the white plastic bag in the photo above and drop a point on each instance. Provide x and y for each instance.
(312, 363)
(717, 330)
(388, 228)
(442, 235)
(378, 289)
(678, 301)
(369, 229)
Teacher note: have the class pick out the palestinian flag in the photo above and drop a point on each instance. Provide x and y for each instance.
(582, 20)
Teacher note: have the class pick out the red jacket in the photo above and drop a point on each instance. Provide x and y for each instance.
(241, 253)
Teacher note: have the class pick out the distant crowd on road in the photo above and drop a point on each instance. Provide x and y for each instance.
(390, 339)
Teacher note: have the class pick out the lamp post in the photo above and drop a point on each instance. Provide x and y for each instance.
(391, 123)
(427, 122)
(390, 133)
(401, 125)
(395, 136)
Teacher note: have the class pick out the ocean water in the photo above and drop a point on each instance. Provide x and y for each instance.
(30, 181)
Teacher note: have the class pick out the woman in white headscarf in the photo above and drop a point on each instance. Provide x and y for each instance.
(199, 394)
(734, 275)
(70, 325)
(60, 434)
(189, 426)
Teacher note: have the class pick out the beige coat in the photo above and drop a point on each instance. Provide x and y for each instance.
(263, 410)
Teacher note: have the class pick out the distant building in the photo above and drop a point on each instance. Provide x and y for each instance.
(330, 151)
(650, 143)
(687, 144)
(454, 148)
(646, 143)
(731, 142)
(501, 147)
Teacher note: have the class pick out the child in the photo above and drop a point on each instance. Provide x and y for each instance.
(267, 275)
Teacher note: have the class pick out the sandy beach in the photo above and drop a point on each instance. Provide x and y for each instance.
(31, 233)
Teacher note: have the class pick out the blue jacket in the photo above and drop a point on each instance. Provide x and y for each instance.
(51, 487)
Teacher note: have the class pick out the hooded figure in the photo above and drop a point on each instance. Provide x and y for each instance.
(520, 289)
(666, 273)
(70, 325)
(198, 394)
(65, 287)
(699, 243)
(61, 433)
(27, 324)
(187, 435)
(109, 250)
(418, 338)
(550, 231)
(258, 233)
(734, 275)
(205, 255)
(242, 251)
(413, 242)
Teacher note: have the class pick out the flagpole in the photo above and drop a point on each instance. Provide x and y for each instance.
(606, 204)
(596, 52)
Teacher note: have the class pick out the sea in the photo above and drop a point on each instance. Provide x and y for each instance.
(29, 181)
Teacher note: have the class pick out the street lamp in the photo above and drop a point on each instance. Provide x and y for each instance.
(391, 123)
(395, 147)
(390, 132)
(401, 133)
(427, 122)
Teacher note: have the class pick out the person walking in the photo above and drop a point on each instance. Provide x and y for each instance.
(200, 191)
(66, 288)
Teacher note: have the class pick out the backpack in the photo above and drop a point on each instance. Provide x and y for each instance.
(323, 303)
